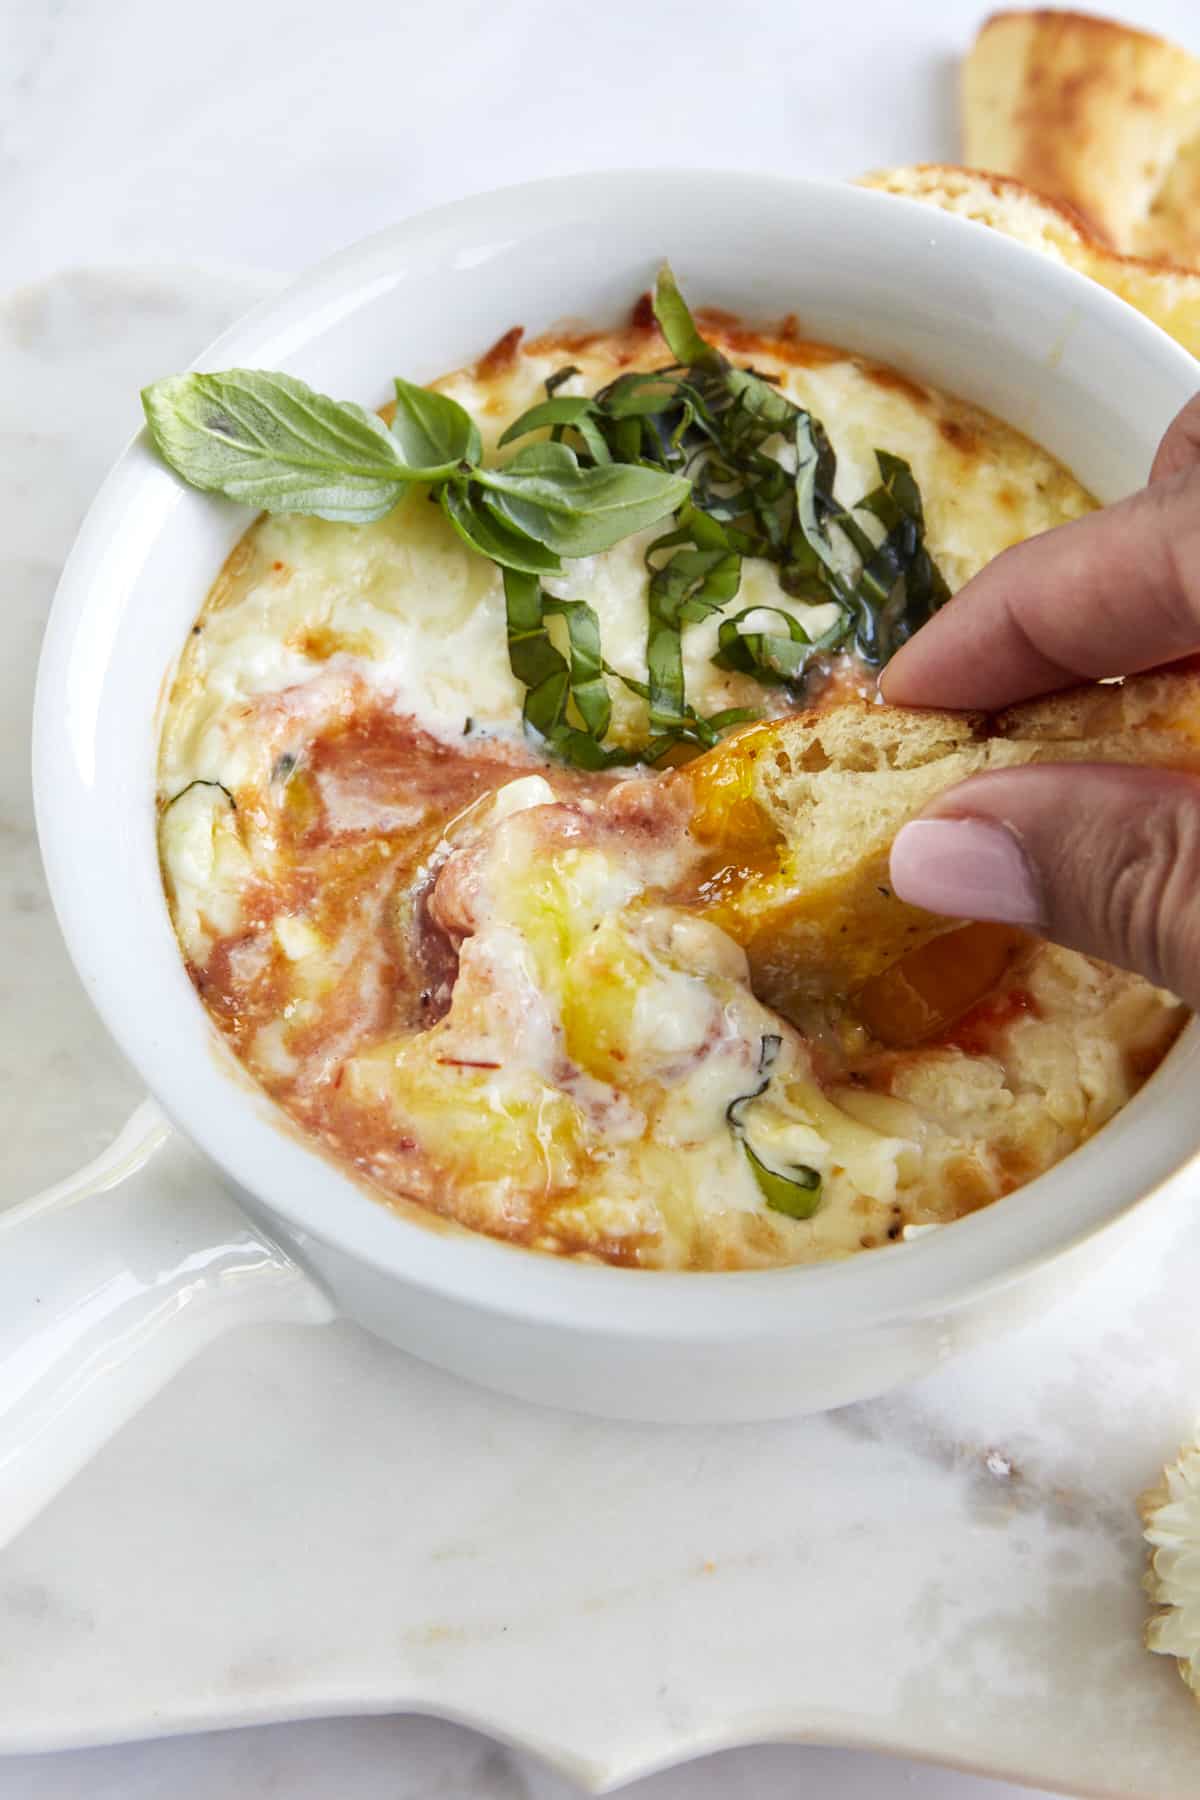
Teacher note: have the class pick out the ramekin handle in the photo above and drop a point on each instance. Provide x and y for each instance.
(110, 1282)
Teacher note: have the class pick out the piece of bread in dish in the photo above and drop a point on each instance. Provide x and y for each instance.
(800, 814)
(1170, 297)
(1096, 114)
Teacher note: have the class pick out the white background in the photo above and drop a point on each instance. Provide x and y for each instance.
(250, 137)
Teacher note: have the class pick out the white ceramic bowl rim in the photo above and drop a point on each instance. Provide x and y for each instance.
(145, 999)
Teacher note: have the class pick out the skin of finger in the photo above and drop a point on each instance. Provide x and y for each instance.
(1109, 594)
(1180, 448)
(1115, 853)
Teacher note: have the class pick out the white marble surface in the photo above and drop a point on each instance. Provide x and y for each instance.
(307, 1522)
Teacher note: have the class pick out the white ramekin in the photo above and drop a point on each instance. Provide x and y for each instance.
(112, 1280)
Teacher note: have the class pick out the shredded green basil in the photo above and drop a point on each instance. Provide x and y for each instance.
(794, 1190)
(552, 683)
(201, 782)
(678, 327)
(691, 584)
(768, 1055)
(900, 586)
(686, 726)
(719, 426)
(772, 656)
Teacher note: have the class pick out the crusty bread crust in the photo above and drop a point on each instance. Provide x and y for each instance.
(1167, 294)
(835, 787)
(1096, 114)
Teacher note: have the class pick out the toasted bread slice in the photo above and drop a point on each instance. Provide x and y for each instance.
(800, 814)
(1168, 296)
(1096, 114)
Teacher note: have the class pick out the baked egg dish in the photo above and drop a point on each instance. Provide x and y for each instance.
(524, 797)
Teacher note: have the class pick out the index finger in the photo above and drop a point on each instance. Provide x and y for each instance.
(1109, 594)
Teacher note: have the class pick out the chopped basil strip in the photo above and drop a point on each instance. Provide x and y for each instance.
(201, 782)
(588, 689)
(691, 584)
(687, 726)
(816, 467)
(773, 656)
(900, 587)
(560, 376)
(551, 682)
(768, 1055)
(794, 1190)
(796, 1193)
(677, 324)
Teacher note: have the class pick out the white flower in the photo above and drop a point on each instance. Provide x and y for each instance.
(1171, 1515)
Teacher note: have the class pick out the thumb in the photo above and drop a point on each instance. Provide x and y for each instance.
(1101, 858)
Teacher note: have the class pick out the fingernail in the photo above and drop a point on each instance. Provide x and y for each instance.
(966, 869)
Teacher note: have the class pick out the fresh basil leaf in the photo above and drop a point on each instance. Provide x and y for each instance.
(557, 463)
(574, 511)
(678, 326)
(563, 409)
(271, 442)
(796, 1192)
(435, 434)
(491, 537)
(576, 412)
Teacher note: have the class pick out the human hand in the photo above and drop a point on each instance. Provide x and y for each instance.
(1103, 859)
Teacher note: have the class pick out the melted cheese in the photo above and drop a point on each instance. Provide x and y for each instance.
(467, 975)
